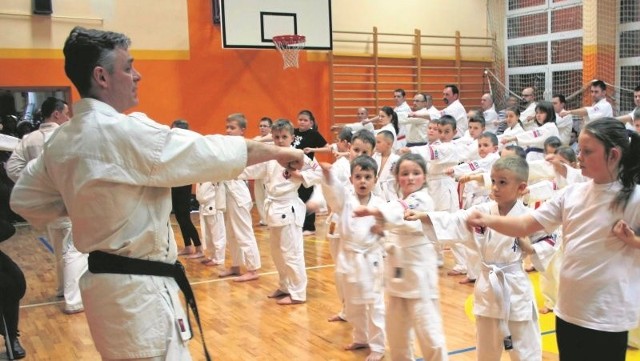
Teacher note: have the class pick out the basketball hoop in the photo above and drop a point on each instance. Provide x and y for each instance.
(289, 46)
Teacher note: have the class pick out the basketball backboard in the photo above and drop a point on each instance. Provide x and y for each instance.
(250, 24)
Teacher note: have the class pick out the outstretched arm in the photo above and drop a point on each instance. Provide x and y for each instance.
(287, 157)
(515, 226)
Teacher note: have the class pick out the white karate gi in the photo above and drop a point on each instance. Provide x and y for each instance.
(565, 125)
(504, 303)
(70, 264)
(600, 109)
(213, 203)
(457, 111)
(474, 194)
(443, 189)
(359, 261)
(491, 120)
(386, 187)
(285, 217)
(120, 202)
(402, 111)
(411, 282)
(533, 140)
(243, 247)
(530, 111)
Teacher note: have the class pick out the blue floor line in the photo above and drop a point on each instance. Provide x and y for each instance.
(46, 244)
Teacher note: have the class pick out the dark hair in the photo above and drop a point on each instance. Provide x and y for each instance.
(345, 134)
(308, 113)
(515, 110)
(50, 105)
(239, 118)
(266, 119)
(401, 91)
(282, 124)
(454, 89)
(447, 120)
(85, 49)
(491, 136)
(387, 135)
(365, 162)
(560, 97)
(612, 133)
(547, 108)
(394, 117)
(477, 117)
(552, 141)
(365, 136)
(567, 153)
(180, 123)
(637, 89)
(600, 84)
(520, 152)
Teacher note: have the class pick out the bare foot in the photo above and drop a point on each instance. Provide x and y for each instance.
(233, 271)
(530, 269)
(186, 251)
(466, 280)
(545, 310)
(455, 273)
(278, 294)
(210, 262)
(287, 300)
(249, 276)
(336, 318)
(374, 356)
(356, 346)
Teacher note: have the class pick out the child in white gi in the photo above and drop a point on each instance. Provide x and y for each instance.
(386, 159)
(443, 189)
(359, 259)
(285, 216)
(599, 288)
(243, 246)
(355, 144)
(411, 272)
(534, 139)
(504, 303)
(212, 205)
(514, 126)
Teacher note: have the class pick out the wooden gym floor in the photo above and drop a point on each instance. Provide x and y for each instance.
(240, 322)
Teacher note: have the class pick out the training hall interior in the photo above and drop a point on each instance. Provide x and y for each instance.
(201, 60)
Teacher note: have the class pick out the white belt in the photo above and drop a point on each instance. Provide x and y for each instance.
(497, 279)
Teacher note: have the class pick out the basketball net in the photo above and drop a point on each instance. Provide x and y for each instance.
(289, 46)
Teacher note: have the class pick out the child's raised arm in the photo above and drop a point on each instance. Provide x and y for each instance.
(515, 226)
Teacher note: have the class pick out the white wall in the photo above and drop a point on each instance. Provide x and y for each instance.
(431, 17)
(152, 24)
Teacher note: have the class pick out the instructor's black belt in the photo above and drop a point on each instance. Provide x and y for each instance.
(101, 262)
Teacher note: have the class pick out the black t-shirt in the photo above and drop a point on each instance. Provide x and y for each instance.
(308, 139)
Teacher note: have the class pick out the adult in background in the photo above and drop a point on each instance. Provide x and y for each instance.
(564, 124)
(112, 174)
(628, 118)
(489, 113)
(402, 109)
(600, 107)
(70, 264)
(528, 115)
(181, 202)
(307, 137)
(450, 96)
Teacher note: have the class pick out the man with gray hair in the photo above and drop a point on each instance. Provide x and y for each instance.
(112, 174)
(489, 112)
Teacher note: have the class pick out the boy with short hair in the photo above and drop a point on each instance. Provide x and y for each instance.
(241, 239)
(360, 143)
(386, 160)
(360, 255)
(285, 215)
(504, 303)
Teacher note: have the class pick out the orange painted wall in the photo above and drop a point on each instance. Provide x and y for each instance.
(211, 84)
